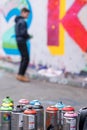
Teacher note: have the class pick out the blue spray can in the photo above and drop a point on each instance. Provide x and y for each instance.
(60, 106)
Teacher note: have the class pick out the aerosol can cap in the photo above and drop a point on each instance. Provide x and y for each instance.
(60, 105)
(52, 108)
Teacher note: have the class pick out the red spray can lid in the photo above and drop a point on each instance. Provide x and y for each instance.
(30, 112)
(68, 108)
(52, 108)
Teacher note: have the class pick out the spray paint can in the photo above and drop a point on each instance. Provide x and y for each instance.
(82, 119)
(17, 118)
(33, 102)
(70, 121)
(66, 109)
(5, 118)
(29, 120)
(36, 104)
(40, 115)
(7, 104)
(23, 102)
(51, 118)
(27, 107)
(60, 106)
(8, 101)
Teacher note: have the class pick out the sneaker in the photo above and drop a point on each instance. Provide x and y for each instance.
(22, 78)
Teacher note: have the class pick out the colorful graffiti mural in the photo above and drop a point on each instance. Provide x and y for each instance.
(59, 30)
(60, 21)
(9, 9)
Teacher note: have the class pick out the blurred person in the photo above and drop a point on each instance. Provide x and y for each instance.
(21, 37)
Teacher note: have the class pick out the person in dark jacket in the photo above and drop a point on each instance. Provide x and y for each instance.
(21, 37)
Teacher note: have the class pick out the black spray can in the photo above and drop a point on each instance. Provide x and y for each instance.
(17, 118)
(82, 119)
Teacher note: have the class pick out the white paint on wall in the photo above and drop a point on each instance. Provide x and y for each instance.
(83, 16)
(73, 59)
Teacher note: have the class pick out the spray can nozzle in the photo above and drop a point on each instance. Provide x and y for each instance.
(60, 105)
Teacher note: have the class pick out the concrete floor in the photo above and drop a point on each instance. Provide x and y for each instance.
(47, 93)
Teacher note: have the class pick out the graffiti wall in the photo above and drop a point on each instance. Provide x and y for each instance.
(59, 29)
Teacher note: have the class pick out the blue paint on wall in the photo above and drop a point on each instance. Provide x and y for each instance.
(9, 41)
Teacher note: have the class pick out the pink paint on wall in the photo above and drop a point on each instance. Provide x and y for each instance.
(53, 20)
(73, 25)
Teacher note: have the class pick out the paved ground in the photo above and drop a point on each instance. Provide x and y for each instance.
(47, 93)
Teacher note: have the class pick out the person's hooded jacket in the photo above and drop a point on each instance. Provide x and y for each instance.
(21, 30)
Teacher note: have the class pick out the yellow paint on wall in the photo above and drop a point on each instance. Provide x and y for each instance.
(62, 8)
(59, 50)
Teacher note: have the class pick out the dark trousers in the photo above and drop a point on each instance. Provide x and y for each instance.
(24, 58)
